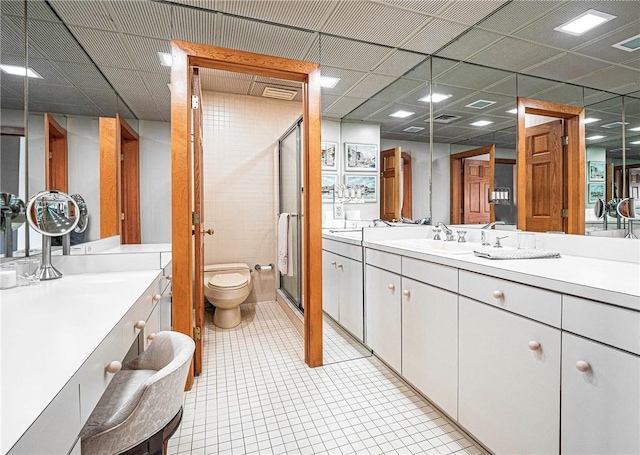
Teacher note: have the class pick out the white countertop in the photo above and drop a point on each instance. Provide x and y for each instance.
(139, 248)
(608, 281)
(351, 236)
(48, 331)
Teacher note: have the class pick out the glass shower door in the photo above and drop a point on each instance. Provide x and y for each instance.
(290, 192)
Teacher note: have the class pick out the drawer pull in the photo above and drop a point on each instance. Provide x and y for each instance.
(583, 366)
(339, 266)
(113, 367)
(156, 298)
(168, 277)
(498, 295)
(151, 336)
(534, 345)
(406, 292)
(392, 287)
(140, 325)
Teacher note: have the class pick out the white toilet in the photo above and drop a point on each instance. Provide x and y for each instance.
(226, 286)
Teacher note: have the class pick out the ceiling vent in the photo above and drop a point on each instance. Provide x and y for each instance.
(614, 125)
(629, 45)
(446, 118)
(413, 129)
(480, 104)
(279, 93)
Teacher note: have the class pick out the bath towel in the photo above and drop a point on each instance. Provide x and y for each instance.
(285, 246)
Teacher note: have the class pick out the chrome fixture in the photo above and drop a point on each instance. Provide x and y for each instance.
(493, 223)
(12, 216)
(446, 230)
(484, 238)
(381, 221)
(627, 209)
(266, 268)
(461, 235)
(436, 233)
(497, 245)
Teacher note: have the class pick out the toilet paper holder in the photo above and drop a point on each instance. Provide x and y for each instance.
(266, 268)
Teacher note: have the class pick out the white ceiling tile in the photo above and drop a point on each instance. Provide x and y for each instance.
(124, 80)
(567, 67)
(262, 38)
(38, 9)
(69, 109)
(515, 15)
(194, 25)
(145, 52)
(350, 54)
(471, 12)
(225, 82)
(85, 13)
(398, 63)
(12, 103)
(371, 22)
(347, 78)
(53, 73)
(57, 94)
(83, 75)
(521, 55)
(434, 36)
(611, 78)
(308, 14)
(327, 100)
(106, 100)
(399, 90)
(54, 41)
(430, 7)
(357, 108)
(156, 83)
(370, 85)
(11, 38)
(141, 17)
(468, 44)
(106, 48)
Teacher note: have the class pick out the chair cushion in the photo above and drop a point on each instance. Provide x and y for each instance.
(118, 401)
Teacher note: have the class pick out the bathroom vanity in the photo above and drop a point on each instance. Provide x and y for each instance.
(529, 356)
(63, 340)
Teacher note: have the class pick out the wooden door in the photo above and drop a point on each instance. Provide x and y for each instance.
(390, 184)
(477, 180)
(407, 187)
(544, 177)
(634, 183)
(198, 196)
(129, 182)
(55, 151)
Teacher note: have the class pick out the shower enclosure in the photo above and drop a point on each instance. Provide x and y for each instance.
(290, 168)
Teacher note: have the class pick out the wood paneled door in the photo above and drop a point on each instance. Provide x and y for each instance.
(477, 180)
(544, 195)
(187, 55)
(119, 180)
(55, 151)
(390, 184)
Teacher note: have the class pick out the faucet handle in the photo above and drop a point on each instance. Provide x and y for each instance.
(436, 232)
(497, 245)
(449, 237)
(461, 235)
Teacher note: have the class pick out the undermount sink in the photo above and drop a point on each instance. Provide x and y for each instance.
(435, 245)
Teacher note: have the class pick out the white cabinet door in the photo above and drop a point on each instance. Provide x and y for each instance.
(351, 296)
(383, 315)
(430, 342)
(600, 406)
(330, 284)
(509, 394)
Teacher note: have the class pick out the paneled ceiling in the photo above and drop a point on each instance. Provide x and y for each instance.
(378, 48)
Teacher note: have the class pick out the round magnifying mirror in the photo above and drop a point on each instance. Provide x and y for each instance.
(599, 209)
(52, 214)
(627, 209)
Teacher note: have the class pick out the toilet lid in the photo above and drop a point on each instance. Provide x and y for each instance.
(228, 280)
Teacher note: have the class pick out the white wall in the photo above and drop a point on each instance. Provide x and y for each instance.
(361, 133)
(155, 181)
(240, 181)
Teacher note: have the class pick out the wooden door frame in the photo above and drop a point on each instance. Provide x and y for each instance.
(198, 237)
(407, 182)
(397, 152)
(185, 55)
(574, 160)
(56, 161)
(128, 145)
(457, 182)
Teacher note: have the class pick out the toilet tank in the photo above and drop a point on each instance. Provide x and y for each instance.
(231, 267)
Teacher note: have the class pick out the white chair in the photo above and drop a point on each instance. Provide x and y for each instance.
(142, 406)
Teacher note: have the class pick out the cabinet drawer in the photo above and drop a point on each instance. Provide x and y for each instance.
(151, 327)
(534, 303)
(618, 327)
(386, 261)
(437, 275)
(343, 249)
(140, 311)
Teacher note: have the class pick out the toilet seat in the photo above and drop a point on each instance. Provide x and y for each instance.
(227, 281)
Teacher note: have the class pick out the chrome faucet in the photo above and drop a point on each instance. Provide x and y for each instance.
(381, 221)
(493, 223)
(446, 230)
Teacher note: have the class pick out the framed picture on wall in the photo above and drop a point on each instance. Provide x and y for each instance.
(368, 184)
(596, 171)
(328, 181)
(361, 157)
(595, 192)
(329, 152)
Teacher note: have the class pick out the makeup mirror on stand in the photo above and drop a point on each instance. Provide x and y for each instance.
(52, 214)
(628, 210)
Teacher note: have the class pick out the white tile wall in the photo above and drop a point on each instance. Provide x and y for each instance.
(240, 181)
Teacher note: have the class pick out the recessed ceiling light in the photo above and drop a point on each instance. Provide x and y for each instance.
(614, 125)
(590, 120)
(629, 45)
(634, 142)
(401, 114)
(19, 71)
(480, 104)
(165, 58)
(584, 22)
(328, 82)
(435, 97)
(597, 136)
(637, 128)
(413, 129)
(512, 111)
(481, 123)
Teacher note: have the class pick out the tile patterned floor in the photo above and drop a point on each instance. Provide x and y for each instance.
(257, 396)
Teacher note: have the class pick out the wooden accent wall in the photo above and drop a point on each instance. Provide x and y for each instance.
(109, 221)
